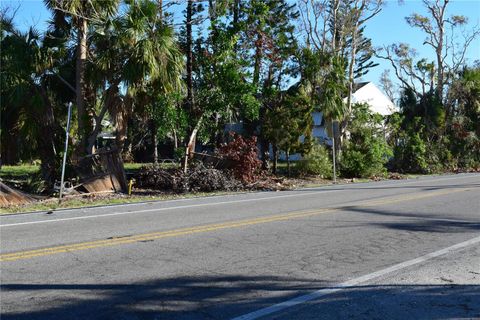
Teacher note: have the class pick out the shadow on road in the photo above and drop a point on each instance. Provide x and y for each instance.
(419, 222)
(226, 297)
(393, 302)
(202, 297)
(358, 186)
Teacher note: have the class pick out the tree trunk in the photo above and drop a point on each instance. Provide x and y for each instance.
(351, 82)
(189, 55)
(191, 144)
(335, 5)
(46, 139)
(9, 139)
(258, 59)
(275, 159)
(154, 142)
(439, 51)
(110, 104)
(160, 10)
(175, 140)
(351, 68)
(288, 161)
(80, 82)
(236, 13)
(121, 125)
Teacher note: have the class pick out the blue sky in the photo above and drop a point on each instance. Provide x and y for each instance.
(387, 27)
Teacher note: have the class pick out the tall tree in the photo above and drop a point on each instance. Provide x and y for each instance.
(270, 25)
(27, 95)
(442, 33)
(136, 51)
(79, 14)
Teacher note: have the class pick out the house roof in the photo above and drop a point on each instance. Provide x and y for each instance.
(357, 86)
(369, 93)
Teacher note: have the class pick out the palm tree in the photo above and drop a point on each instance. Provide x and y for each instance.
(26, 100)
(78, 14)
(137, 52)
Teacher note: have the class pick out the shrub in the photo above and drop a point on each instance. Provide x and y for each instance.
(243, 152)
(364, 160)
(316, 162)
(367, 151)
(410, 153)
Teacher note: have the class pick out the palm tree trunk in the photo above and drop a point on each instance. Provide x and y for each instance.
(80, 81)
(154, 142)
(46, 139)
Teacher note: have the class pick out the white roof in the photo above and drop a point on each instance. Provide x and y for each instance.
(369, 93)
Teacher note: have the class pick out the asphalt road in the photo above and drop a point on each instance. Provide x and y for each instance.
(405, 249)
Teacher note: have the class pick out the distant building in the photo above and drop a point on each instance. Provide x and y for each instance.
(365, 92)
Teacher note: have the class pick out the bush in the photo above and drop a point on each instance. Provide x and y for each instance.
(410, 155)
(410, 152)
(367, 151)
(316, 162)
(243, 152)
(365, 161)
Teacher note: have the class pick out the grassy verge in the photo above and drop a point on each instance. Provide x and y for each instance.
(18, 172)
(137, 166)
(82, 202)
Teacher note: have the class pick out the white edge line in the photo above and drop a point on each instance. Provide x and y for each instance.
(163, 209)
(322, 191)
(320, 188)
(353, 282)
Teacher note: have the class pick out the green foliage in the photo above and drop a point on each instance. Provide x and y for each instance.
(222, 93)
(288, 118)
(366, 152)
(169, 118)
(464, 129)
(410, 153)
(316, 162)
(324, 80)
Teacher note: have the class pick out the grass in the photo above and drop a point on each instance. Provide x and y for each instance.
(53, 204)
(18, 172)
(24, 171)
(136, 166)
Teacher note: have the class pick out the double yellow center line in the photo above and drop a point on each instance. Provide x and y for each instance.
(20, 255)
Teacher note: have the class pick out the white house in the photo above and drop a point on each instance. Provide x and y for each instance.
(365, 92)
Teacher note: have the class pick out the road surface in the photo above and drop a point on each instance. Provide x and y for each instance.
(405, 249)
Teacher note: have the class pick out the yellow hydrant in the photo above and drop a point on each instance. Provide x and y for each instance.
(130, 186)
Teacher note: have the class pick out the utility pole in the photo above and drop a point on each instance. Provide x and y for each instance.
(333, 153)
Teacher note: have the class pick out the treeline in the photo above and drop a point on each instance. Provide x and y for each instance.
(266, 64)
